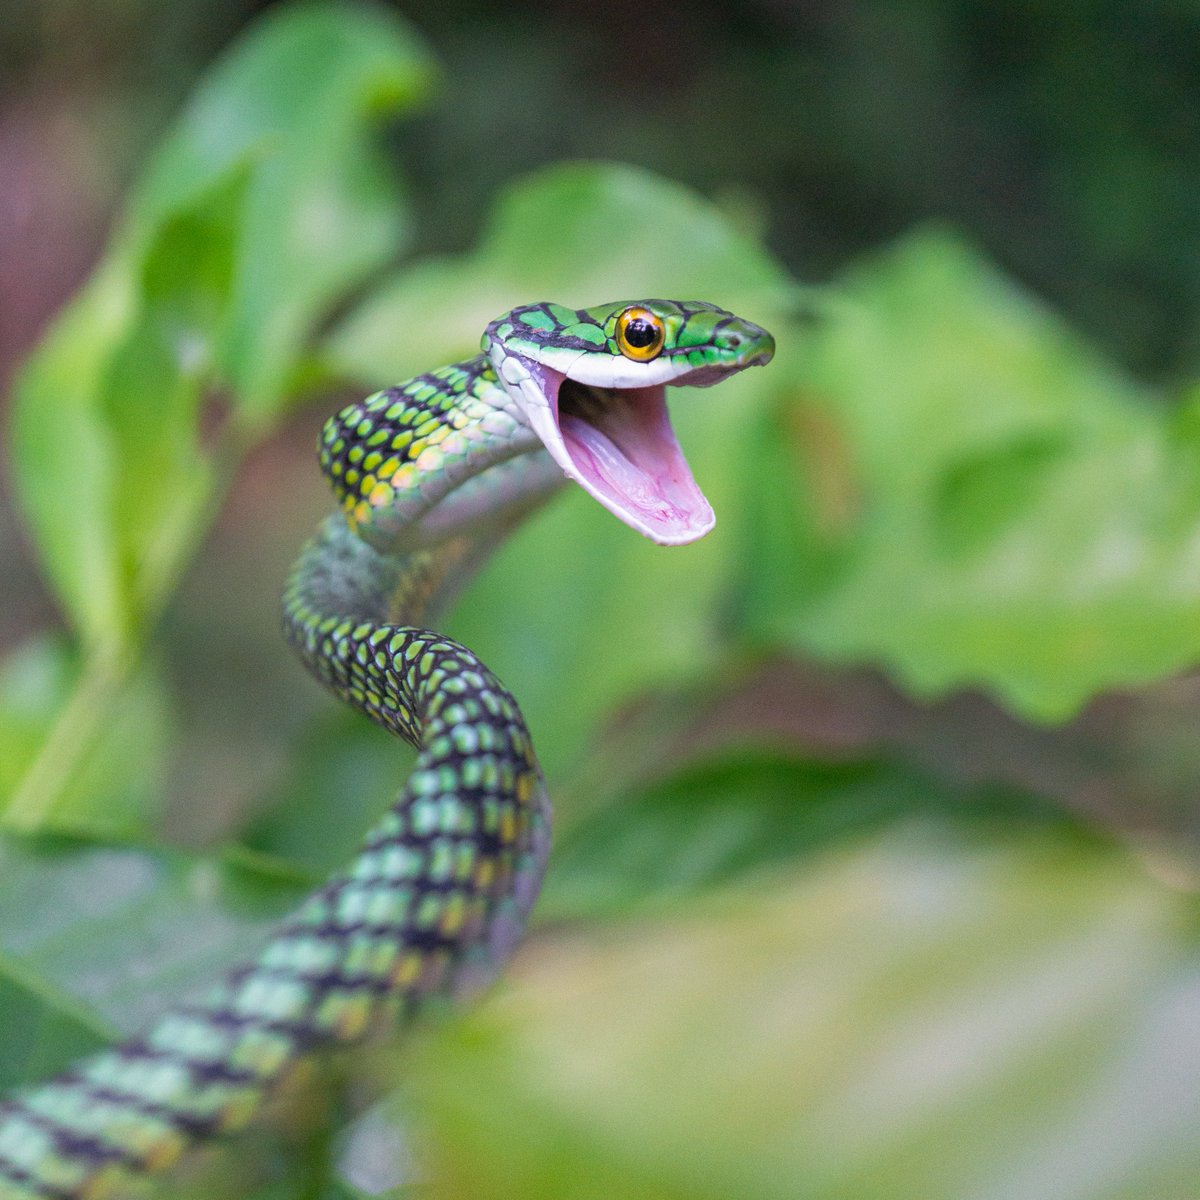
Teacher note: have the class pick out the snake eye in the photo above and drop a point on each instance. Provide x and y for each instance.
(640, 334)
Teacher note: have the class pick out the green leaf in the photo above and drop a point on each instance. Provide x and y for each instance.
(958, 487)
(156, 381)
(343, 774)
(576, 233)
(111, 531)
(304, 94)
(719, 821)
(43, 1033)
(104, 939)
(264, 206)
(118, 788)
(65, 465)
(919, 1015)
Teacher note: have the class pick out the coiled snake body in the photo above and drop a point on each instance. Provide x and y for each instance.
(430, 475)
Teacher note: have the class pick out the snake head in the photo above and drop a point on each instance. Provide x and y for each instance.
(592, 382)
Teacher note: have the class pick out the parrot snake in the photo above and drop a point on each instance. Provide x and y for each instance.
(430, 475)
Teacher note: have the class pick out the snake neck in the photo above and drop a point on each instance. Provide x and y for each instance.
(403, 461)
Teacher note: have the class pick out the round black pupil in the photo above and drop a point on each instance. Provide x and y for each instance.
(640, 333)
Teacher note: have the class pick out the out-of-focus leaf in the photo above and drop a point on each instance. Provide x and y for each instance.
(155, 382)
(299, 1184)
(344, 774)
(576, 233)
(302, 95)
(262, 208)
(108, 529)
(118, 788)
(592, 612)
(123, 933)
(35, 681)
(959, 488)
(65, 463)
(43, 1033)
(722, 820)
(594, 615)
(922, 1015)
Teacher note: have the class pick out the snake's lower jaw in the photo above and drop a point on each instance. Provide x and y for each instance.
(618, 445)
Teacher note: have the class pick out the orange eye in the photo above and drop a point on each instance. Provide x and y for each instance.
(640, 334)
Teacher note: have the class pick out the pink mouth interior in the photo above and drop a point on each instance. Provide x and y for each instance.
(619, 446)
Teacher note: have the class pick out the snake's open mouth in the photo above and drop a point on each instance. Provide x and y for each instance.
(618, 445)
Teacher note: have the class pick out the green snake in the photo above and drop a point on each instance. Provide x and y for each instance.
(430, 476)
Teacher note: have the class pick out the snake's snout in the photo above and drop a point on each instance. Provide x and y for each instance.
(749, 344)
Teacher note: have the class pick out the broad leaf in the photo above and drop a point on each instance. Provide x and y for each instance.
(920, 1015)
(263, 207)
(720, 821)
(957, 486)
(576, 233)
(120, 934)
(118, 788)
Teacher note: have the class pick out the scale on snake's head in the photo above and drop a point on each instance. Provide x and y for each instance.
(592, 385)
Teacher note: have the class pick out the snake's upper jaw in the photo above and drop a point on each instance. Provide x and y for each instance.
(618, 445)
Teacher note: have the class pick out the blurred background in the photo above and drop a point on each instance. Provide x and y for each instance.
(1062, 139)
(1038, 160)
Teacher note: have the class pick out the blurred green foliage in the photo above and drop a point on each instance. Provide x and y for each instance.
(764, 969)
(266, 203)
(998, 505)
